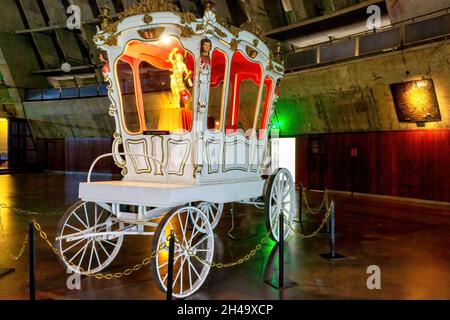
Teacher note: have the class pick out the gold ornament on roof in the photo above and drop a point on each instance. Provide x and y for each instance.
(253, 28)
(187, 17)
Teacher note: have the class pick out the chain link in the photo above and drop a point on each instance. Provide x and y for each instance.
(315, 233)
(107, 276)
(5, 243)
(29, 212)
(319, 209)
(220, 265)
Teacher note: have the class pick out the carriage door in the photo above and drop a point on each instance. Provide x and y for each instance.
(244, 90)
(214, 123)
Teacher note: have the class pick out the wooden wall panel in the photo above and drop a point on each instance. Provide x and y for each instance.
(413, 164)
(75, 154)
(81, 152)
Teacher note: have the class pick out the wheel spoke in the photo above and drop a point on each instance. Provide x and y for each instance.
(70, 226)
(86, 214)
(90, 258)
(82, 222)
(195, 270)
(96, 253)
(180, 272)
(101, 214)
(189, 271)
(73, 245)
(79, 251)
(101, 245)
(200, 241)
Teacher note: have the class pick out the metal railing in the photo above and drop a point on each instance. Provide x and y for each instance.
(431, 27)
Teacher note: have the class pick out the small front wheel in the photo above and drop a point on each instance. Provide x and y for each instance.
(280, 193)
(189, 271)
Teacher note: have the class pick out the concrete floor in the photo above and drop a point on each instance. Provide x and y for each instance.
(410, 242)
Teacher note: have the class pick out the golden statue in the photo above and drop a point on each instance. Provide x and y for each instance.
(180, 74)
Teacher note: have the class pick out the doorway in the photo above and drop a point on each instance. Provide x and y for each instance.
(3, 143)
(317, 163)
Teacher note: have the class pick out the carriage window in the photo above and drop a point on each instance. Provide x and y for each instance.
(127, 89)
(245, 80)
(163, 78)
(216, 92)
(264, 110)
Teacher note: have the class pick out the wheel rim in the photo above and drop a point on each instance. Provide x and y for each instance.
(213, 211)
(189, 273)
(280, 198)
(92, 254)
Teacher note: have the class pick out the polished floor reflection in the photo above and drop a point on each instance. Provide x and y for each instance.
(409, 241)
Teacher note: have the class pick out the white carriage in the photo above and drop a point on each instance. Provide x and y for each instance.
(192, 102)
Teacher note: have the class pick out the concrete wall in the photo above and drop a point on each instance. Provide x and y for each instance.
(77, 118)
(356, 97)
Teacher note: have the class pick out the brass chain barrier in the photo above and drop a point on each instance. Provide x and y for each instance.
(107, 276)
(319, 209)
(5, 243)
(29, 212)
(220, 265)
(145, 261)
(315, 233)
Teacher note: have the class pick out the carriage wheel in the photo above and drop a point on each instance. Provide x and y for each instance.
(91, 254)
(213, 211)
(189, 273)
(280, 195)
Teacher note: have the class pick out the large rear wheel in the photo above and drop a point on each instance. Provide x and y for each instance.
(189, 272)
(280, 193)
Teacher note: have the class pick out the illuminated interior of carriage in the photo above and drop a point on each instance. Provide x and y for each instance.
(156, 81)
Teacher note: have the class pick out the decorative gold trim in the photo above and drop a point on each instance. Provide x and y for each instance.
(148, 19)
(208, 158)
(220, 33)
(133, 158)
(186, 32)
(253, 28)
(187, 17)
(118, 140)
(240, 168)
(234, 44)
(199, 27)
(185, 157)
(142, 7)
(251, 53)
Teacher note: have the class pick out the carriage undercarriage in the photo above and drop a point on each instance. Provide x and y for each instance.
(92, 230)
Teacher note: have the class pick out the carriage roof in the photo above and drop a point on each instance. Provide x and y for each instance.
(187, 26)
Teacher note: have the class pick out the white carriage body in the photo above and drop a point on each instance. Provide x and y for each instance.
(199, 154)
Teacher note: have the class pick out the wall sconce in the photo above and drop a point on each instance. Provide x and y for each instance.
(416, 101)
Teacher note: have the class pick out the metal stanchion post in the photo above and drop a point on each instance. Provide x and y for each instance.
(333, 255)
(327, 207)
(32, 261)
(170, 265)
(281, 255)
(281, 282)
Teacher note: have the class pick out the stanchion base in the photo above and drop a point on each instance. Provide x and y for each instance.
(329, 256)
(286, 283)
(4, 271)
